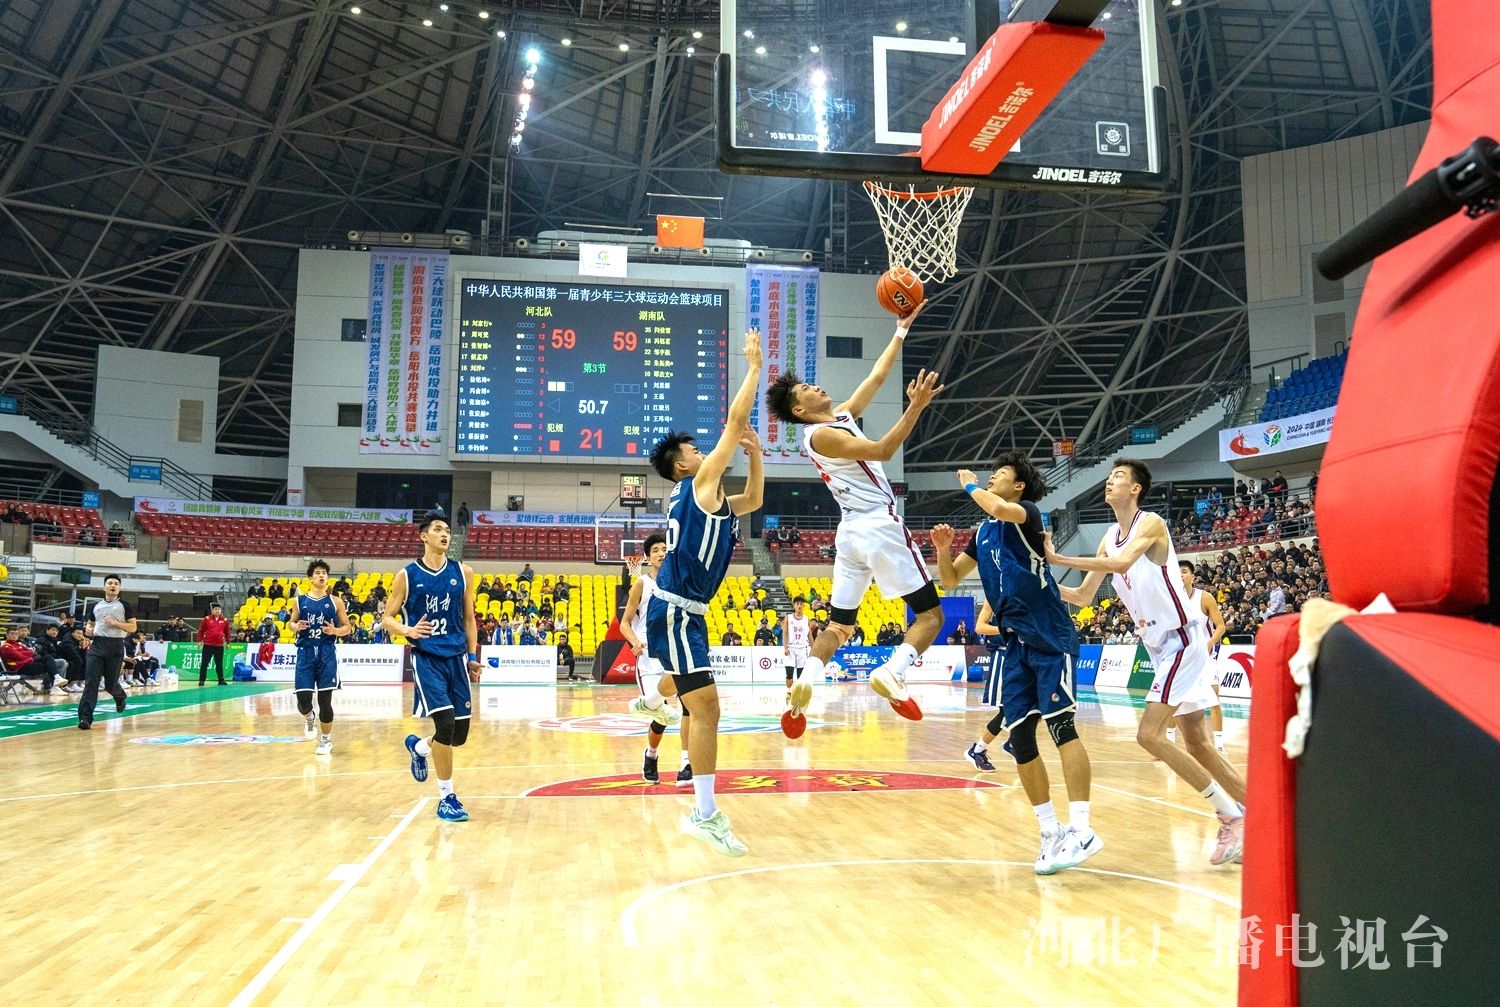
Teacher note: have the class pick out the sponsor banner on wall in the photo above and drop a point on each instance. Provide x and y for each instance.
(515, 665)
(782, 301)
(403, 406)
(1236, 666)
(359, 663)
(944, 663)
(521, 517)
(183, 658)
(1275, 436)
(1087, 668)
(269, 512)
(1116, 662)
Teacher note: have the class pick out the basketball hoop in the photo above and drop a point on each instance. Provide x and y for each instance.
(633, 566)
(921, 226)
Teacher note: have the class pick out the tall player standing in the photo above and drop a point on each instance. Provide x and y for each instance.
(439, 592)
(648, 673)
(702, 528)
(1137, 552)
(796, 641)
(872, 540)
(1201, 602)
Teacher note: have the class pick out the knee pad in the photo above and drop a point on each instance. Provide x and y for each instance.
(656, 730)
(1062, 730)
(460, 732)
(325, 706)
(924, 599)
(442, 727)
(692, 681)
(304, 703)
(996, 724)
(1022, 743)
(843, 616)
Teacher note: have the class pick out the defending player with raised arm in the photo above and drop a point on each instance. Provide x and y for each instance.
(702, 528)
(648, 673)
(439, 593)
(1041, 648)
(872, 540)
(318, 619)
(1137, 553)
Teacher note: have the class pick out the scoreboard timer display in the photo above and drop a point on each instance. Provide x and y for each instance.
(574, 370)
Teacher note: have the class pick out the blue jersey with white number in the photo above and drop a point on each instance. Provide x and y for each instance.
(699, 546)
(317, 613)
(1018, 583)
(439, 596)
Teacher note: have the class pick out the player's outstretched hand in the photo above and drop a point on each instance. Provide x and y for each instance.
(904, 321)
(421, 631)
(752, 349)
(966, 476)
(750, 440)
(942, 537)
(923, 388)
(1052, 555)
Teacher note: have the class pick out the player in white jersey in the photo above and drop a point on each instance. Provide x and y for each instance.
(796, 641)
(648, 670)
(1202, 603)
(872, 540)
(1137, 551)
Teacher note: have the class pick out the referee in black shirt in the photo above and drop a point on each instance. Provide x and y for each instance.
(112, 621)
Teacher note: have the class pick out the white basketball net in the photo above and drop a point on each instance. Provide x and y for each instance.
(633, 565)
(921, 226)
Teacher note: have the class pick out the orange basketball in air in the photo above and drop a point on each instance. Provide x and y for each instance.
(898, 290)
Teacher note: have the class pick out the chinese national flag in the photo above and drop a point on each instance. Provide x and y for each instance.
(679, 232)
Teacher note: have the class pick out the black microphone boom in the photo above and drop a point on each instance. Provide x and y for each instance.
(1469, 181)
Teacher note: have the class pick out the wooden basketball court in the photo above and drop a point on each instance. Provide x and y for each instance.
(152, 864)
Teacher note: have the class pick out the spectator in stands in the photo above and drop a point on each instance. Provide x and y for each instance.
(49, 648)
(731, 638)
(257, 591)
(113, 537)
(360, 634)
(812, 596)
(20, 659)
(793, 536)
(70, 647)
(764, 637)
(752, 603)
(565, 658)
(544, 610)
(1312, 486)
(87, 537)
(275, 591)
(463, 514)
(342, 586)
(213, 634)
(1278, 486)
(528, 636)
(142, 666)
(857, 638)
(527, 575)
(757, 585)
(562, 592)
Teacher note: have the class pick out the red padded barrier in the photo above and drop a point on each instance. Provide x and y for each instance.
(1269, 882)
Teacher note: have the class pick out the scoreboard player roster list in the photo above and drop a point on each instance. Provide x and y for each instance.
(588, 369)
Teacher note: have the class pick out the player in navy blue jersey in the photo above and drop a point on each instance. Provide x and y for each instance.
(977, 754)
(1041, 646)
(702, 528)
(435, 598)
(319, 619)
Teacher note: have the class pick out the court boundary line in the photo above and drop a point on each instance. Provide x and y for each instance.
(268, 972)
(631, 938)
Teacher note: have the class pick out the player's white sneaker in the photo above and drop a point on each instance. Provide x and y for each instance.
(714, 832)
(312, 726)
(325, 747)
(663, 715)
(1051, 844)
(1231, 840)
(892, 685)
(1075, 848)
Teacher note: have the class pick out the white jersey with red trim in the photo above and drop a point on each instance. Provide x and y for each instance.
(1152, 594)
(795, 635)
(860, 487)
(648, 588)
(1195, 607)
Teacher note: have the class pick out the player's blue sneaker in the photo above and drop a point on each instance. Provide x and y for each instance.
(418, 761)
(449, 810)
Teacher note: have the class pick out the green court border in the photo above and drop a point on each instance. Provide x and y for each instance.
(17, 721)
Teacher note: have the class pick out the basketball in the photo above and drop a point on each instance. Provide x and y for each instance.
(898, 290)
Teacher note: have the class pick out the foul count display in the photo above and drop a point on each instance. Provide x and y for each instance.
(570, 370)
